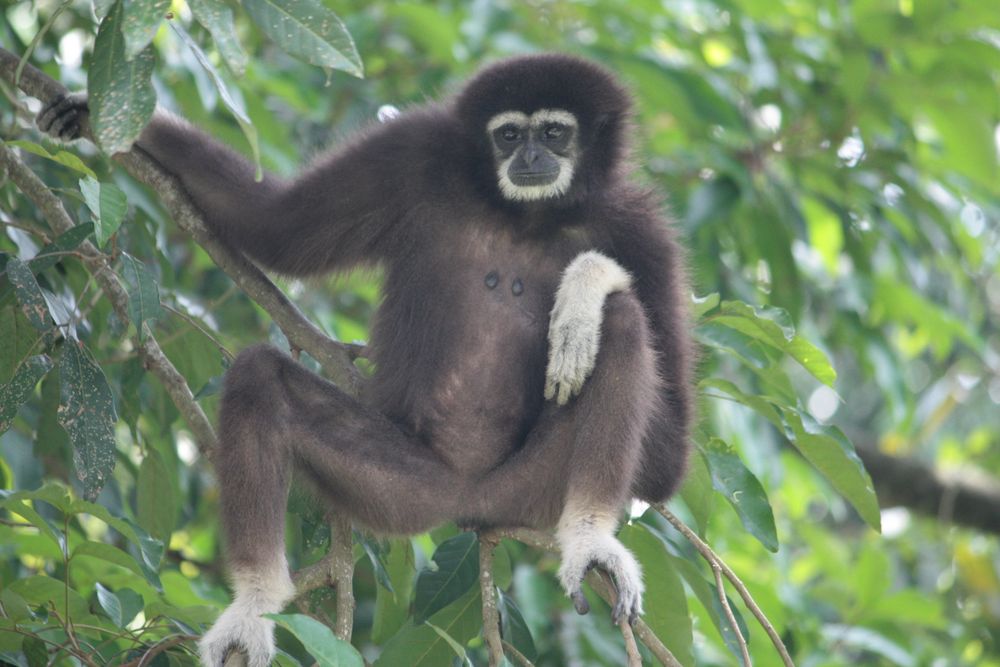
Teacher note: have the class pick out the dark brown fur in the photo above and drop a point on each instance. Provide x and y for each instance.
(453, 424)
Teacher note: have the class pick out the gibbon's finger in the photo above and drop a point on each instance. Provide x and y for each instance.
(580, 602)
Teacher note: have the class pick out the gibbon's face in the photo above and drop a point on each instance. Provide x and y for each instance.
(535, 155)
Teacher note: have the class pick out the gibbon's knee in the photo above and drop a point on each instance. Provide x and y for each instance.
(254, 374)
(625, 323)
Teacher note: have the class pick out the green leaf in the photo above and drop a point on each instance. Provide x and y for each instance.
(666, 610)
(40, 590)
(374, 553)
(696, 491)
(392, 605)
(761, 405)
(773, 326)
(457, 561)
(217, 18)
(422, 646)
(830, 452)
(69, 240)
(64, 158)
(110, 554)
(35, 651)
(143, 294)
(10, 502)
(155, 503)
(825, 447)
(457, 648)
(307, 30)
(120, 92)
(29, 294)
(50, 439)
(107, 203)
(141, 21)
(708, 596)
(19, 340)
(249, 131)
(150, 549)
(87, 413)
(121, 607)
(513, 628)
(326, 649)
(503, 571)
(743, 491)
(102, 7)
(110, 603)
(14, 394)
(711, 201)
(704, 304)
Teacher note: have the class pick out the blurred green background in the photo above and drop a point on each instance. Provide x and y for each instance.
(834, 159)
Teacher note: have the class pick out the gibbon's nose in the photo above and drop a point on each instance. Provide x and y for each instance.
(531, 153)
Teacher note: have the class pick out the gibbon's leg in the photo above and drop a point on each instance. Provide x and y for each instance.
(578, 464)
(276, 414)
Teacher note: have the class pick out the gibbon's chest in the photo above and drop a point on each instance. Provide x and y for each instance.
(484, 314)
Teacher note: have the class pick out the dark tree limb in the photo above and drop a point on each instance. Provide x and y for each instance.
(967, 497)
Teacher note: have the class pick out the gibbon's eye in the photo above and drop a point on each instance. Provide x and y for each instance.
(510, 133)
(553, 131)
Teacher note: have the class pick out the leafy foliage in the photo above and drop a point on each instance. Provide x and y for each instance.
(833, 170)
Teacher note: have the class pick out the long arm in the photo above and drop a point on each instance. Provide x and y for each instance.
(348, 208)
(644, 244)
(345, 209)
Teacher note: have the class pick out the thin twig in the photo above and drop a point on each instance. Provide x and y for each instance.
(603, 587)
(491, 617)
(547, 542)
(720, 589)
(156, 649)
(200, 329)
(631, 649)
(716, 562)
(512, 651)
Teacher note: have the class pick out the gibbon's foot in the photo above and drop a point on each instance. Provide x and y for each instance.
(241, 636)
(62, 117)
(575, 322)
(590, 550)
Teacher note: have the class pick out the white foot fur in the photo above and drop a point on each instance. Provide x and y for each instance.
(575, 322)
(587, 540)
(241, 637)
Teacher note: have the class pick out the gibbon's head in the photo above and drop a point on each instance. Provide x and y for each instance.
(546, 128)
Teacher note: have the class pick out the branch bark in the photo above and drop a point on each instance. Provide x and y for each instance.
(968, 498)
(491, 616)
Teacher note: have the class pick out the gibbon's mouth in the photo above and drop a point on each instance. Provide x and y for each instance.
(533, 178)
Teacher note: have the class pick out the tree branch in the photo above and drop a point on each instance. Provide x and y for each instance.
(335, 358)
(967, 497)
(720, 567)
(491, 617)
(547, 542)
(98, 263)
